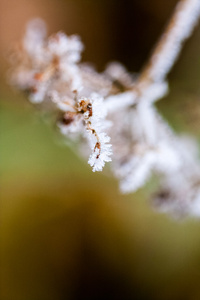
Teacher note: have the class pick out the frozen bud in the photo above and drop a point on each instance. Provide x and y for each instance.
(68, 48)
(68, 118)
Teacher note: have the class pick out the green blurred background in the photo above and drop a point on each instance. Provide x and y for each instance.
(65, 232)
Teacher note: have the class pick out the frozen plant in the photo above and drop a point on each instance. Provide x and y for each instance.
(116, 108)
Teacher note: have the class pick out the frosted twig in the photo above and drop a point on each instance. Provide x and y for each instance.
(169, 46)
(166, 52)
(116, 107)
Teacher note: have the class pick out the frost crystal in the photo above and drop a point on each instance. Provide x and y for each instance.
(94, 115)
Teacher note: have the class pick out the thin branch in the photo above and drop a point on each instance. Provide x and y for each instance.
(166, 52)
(163, 57)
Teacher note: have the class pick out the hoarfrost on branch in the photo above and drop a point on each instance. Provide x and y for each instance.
(116, 108)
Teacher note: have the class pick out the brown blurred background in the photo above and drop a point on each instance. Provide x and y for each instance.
(65, 232)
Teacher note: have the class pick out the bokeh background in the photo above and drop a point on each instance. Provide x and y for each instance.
(65, 232)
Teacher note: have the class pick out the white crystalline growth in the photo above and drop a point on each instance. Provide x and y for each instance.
(45, 64)
(94, 117)
(150, 148)
(136, 172)
(67, 51)
(180, 191)
(67, 47)
(98, 158)
(33, 42)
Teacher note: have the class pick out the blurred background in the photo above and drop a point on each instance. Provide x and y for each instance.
(65, 232)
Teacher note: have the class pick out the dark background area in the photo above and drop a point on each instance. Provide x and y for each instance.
(65, 232)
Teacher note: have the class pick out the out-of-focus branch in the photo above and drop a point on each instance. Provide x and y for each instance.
(169, 46)
(166, 52)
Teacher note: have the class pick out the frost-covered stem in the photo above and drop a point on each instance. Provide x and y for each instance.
(80, 99)
(163, 57)
(179, 28)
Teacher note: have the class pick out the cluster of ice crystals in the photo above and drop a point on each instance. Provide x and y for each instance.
(147, 148)
(180, 191)
(33, 42)
(94, 116)
(49, 70)
(68, 48)
(46, 64)
(100, 156)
